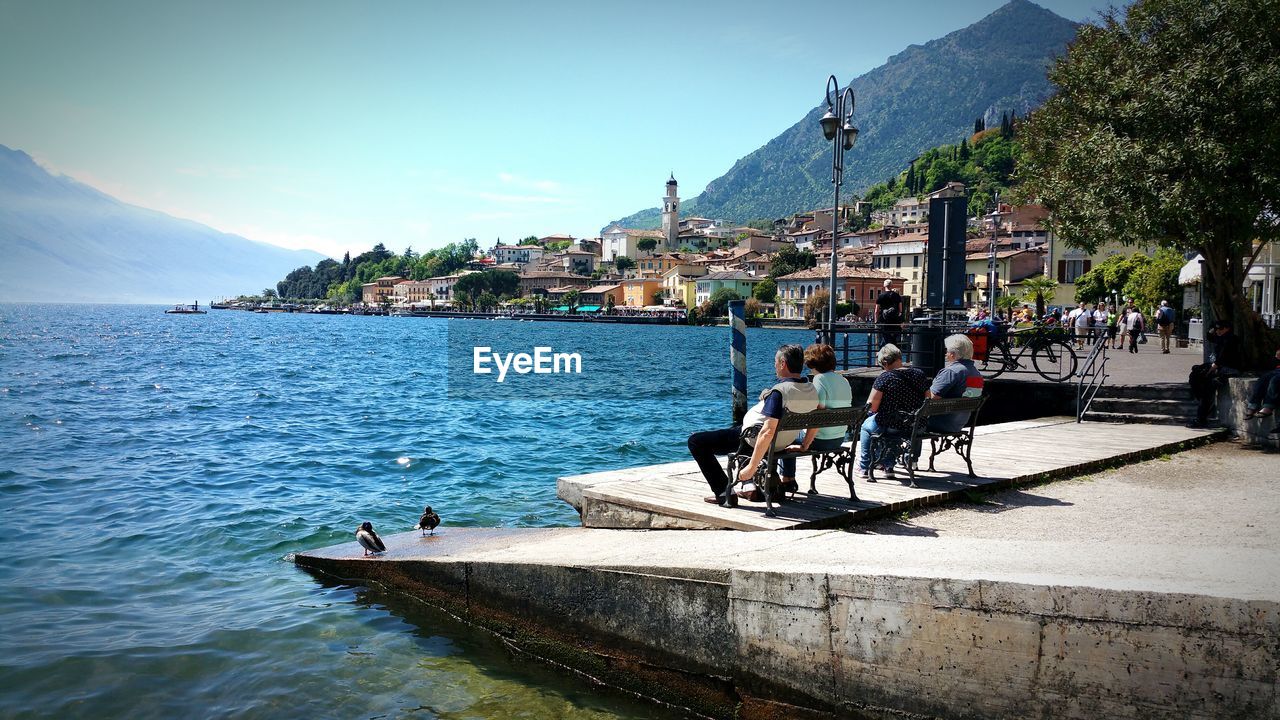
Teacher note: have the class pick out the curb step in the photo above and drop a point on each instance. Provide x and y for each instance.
(1144, 418)
(1142, 406)
(1167, 391)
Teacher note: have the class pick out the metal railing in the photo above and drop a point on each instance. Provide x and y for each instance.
(1093, 374)
(856, 344)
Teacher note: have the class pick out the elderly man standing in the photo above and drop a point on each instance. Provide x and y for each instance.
(792, 394)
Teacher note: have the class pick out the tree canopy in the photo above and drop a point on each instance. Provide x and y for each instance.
(1165, 129)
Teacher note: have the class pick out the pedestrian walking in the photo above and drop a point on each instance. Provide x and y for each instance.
(1135, 325)
(1164, 324)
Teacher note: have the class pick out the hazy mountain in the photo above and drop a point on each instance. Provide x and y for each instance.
(63, 241)
(922, 97)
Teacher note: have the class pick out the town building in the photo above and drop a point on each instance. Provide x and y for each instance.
(860, 285)
(381, 289)
(518, 255)
(617, 241)
(1010, 266)
(543, 280)
(738, 281)
(904, 256)
(679, 284)
(639, 292)
(601, 295)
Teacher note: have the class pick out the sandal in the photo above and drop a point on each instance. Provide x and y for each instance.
(1264, 413)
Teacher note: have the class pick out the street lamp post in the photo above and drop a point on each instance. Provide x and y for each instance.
(837, 128)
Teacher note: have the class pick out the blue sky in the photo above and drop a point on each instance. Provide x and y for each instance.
(333, 126)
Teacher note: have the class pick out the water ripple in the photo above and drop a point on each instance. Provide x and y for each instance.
(162, 475)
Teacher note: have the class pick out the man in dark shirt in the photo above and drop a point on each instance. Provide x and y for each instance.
(889, 313)
(1224, 362)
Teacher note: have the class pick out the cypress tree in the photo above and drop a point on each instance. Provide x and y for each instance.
(911, 177)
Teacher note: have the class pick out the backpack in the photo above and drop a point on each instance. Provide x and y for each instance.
(1164, 316)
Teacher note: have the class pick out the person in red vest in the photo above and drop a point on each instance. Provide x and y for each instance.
(958, 378)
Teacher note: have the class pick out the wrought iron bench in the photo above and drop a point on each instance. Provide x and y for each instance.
(903, 443)
(842, 458)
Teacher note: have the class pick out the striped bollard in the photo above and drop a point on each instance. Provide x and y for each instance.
(738, 357)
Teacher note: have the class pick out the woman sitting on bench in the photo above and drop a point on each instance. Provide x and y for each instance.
(898, 392)
(833, 393)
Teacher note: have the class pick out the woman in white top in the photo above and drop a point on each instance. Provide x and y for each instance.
(1099, 322)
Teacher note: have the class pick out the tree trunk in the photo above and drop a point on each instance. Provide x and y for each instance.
(1223, 285)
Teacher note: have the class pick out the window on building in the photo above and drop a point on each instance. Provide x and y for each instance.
(915, 261)
(899, 263)
(1070, 270)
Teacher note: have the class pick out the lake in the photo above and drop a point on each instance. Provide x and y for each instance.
(159, 470)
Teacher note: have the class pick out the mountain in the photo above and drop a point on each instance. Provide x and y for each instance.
(63, 241)
(922, 97)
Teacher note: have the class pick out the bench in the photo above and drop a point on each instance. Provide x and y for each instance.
(842, 459)
(903, 442)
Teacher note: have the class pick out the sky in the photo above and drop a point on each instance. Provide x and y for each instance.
(332, 126)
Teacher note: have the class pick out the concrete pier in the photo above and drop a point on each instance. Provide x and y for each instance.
(758, 625)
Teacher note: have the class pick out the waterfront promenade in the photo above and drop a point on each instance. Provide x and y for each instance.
(1144, 592)
(670, 495)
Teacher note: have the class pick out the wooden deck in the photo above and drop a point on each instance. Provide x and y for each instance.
(671, 495)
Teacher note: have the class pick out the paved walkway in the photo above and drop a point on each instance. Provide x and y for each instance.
(671, 495)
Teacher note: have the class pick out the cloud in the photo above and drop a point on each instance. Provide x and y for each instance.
(546, 186)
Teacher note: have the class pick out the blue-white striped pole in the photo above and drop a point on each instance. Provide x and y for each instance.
(738, 357)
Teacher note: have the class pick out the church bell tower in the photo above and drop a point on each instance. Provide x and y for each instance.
(671, 216)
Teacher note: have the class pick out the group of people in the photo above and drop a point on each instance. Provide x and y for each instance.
(1089, 324)
(897, 393)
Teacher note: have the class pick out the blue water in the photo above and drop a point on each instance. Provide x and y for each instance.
(158, 470)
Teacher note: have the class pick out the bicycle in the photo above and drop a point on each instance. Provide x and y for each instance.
(1051, 355)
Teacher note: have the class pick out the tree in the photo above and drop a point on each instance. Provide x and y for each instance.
(816, 306)
(531, 240)
(570, 300)
(487, 300)
(789, 260)
(472, 284)
(719, 301)
(1008, 302)
(657, 297)
(752, 308)
(1179, 148)
(622, 263)
(269, 294)
(646, 245)
(1040, 289)
(766, 291)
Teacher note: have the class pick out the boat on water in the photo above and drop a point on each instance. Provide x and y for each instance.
(193, 309)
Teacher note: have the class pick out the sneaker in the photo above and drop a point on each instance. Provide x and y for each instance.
(864, 474)
(888, 472)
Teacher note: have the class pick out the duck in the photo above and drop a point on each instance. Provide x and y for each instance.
(429, 521)
(369, 539)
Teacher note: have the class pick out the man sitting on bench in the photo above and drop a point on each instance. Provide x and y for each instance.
(958, 378)
(792, 394)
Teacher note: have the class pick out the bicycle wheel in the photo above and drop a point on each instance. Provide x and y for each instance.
(1054, 360)
(997, 361)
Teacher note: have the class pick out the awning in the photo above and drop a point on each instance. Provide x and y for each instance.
(589, 308)
(561, 308)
